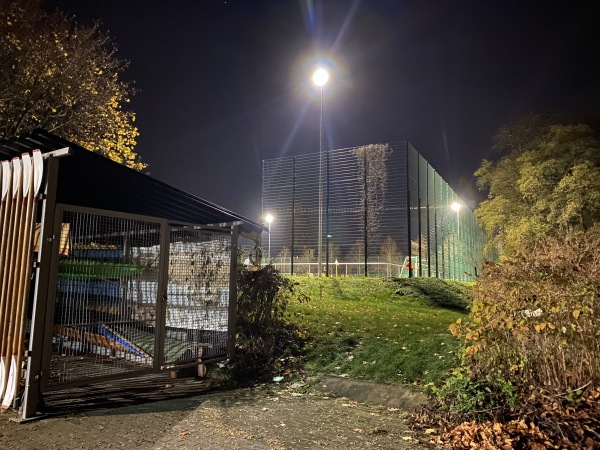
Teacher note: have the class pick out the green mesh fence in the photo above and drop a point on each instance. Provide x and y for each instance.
(380, 210)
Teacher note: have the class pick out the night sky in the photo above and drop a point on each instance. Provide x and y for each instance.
(226, 84)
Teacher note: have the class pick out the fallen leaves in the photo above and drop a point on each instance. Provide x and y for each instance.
(548, 423)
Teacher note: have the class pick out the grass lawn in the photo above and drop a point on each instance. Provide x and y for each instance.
(389, 331)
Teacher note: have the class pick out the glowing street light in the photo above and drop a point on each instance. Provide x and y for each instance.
(320, 78)
(269, 219)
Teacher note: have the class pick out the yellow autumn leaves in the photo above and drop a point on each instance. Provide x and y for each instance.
(64, 77)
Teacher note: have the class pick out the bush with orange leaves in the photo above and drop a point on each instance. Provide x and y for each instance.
(534, 328)
(535, 318)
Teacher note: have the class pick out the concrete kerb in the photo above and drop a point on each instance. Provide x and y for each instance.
(370, 392)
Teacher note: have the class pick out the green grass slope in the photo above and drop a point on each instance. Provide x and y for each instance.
(384, 330)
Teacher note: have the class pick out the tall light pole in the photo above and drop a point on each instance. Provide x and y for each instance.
(269, 219)
(320, 78)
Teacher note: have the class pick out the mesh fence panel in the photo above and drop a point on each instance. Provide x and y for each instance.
(106, 318)
(197, 295)
(384, 212)
(107, 286)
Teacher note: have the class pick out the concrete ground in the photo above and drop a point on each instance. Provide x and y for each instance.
(336, 413)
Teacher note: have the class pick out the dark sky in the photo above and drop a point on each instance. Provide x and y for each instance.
(225, 84)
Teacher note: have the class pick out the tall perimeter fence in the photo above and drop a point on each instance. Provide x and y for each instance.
(374, 210)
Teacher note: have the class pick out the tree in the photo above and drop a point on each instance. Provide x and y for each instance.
(357, 254)
(62, 76)
(308, 255)
(284, 258)
(546, 182)
(389, 253)
(333, 252)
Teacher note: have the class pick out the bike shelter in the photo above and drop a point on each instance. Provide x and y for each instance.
(129, 276)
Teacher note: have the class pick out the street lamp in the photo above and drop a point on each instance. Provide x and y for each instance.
(320, 78)
(269, 219)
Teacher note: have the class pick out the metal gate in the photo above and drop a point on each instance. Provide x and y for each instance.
(197, 309)
(135, 295)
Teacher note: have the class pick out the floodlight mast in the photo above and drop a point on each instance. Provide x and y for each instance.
(320, 78)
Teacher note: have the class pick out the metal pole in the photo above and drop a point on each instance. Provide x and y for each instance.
(293, 214)
(419, 270)
(366, 218)
(327, 237)
(269, 250)
(40, 343)
(320, 236)
(410, 272)
(428, 224)
(232, 309)
(435, 232)
(459, 245)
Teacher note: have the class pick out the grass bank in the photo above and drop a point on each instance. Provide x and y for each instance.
(384, 330)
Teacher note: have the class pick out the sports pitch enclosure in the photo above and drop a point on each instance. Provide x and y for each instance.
(384, 212)
(127, 275)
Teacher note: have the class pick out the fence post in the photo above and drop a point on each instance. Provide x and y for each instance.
(419, 224)
(41, 327)
(327, 220)
(366, 215)
(428, 224)
(232, 310)
(293, 213)
(409, 240)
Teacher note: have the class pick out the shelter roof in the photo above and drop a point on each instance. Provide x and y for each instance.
(94, 181)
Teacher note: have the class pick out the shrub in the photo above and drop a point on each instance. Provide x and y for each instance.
(266, 342)
(435, 292)
(535, 318)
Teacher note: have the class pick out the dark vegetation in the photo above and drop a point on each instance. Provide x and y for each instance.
(529, 373)
(267, 343)
(436, 292)
(529, 376)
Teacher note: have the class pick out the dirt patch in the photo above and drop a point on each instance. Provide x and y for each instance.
(255, 418)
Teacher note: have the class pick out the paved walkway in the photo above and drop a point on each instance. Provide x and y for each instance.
(258, 418)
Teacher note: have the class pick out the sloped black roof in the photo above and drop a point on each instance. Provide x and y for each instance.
(92, 180)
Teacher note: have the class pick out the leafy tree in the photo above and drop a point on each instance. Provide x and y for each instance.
(62, 76)
(546, 182)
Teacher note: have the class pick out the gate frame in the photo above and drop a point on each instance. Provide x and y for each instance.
(42, 325)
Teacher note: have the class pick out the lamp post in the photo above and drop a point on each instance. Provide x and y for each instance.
(320, 78)
(269, 219)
